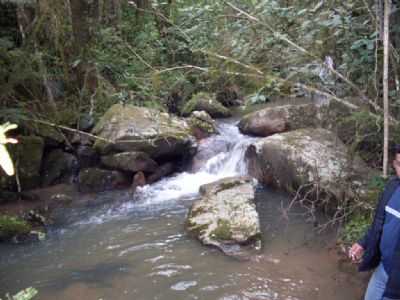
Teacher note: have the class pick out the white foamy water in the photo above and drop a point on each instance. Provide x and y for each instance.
(221, 156)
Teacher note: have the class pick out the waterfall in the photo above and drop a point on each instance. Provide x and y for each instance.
(219, 156)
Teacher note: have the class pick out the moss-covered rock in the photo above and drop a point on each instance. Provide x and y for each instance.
(11, 226)
(98, 180)
(208, 103)
(202, 125)
(128, 128)
(225, 214)
(130, 161)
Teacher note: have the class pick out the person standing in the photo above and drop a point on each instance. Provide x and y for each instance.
(379, 249)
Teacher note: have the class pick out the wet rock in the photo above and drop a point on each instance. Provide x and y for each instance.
(34, 236)
(163, 171)
(98, 180)
(61, 200)
(58, 167)
(207, 149)
(130, 161)
(314, 159)
(27, 155)
(87, 156)
(138, 180)
(37, 218)
(128, 128)
(208, 103)
(278, 119)
(225, 214)
(202, 125)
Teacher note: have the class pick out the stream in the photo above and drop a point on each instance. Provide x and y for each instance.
(138, 248)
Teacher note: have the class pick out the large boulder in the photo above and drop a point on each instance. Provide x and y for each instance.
(314, 160)
(27, 156)
(130, 161)
(128, 128)
(278, 119)
(98, 180)
(226, 213)
(208, 103)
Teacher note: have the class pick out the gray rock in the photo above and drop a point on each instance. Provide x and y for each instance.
(98, 180)
(162, 171)
(130, 161)
(87, 156)
(128, 128)
(278, 119)
(58, 167)
(208, 103)
(225, 214)
(309, 158)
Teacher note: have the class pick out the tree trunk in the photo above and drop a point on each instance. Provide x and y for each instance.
(80, 24)
(386, 50)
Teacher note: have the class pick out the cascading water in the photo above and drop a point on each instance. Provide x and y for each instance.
(221, 156)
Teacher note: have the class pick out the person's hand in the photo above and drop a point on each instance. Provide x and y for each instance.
(356, 252)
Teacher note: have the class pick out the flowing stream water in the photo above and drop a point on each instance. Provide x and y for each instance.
(138, 248)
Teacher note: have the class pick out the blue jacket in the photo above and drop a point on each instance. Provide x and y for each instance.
(371, 241)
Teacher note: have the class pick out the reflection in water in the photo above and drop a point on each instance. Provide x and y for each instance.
(140, 250)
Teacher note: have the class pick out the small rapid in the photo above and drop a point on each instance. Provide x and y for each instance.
(221, 156)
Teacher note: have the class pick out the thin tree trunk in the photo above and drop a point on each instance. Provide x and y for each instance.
(80, 24)
(386, 51)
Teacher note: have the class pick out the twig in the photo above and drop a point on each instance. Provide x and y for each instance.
(230, 59)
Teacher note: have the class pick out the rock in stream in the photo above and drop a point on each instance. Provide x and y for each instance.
(225, 214)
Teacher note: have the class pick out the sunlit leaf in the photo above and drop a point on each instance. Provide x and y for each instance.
(5, 161)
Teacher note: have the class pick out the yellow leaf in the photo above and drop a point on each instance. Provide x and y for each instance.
(5, 161)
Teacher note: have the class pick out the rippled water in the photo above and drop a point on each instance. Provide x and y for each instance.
(140, 250)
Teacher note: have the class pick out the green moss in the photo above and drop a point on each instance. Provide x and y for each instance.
(228, 185)
(196, 229)
(206, 102)
(12, 226)
(223, 231)
(204, 126)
